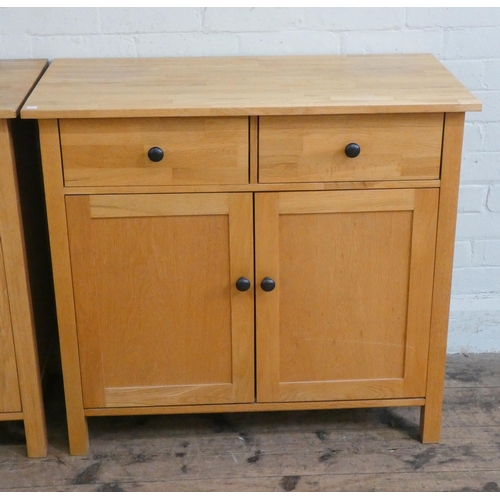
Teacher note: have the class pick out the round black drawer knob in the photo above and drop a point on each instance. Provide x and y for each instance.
(352, 150)
(243, 284)
(268, 285)
(155, 154)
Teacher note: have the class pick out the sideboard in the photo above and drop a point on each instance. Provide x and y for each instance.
(24, 263)
(253, 233)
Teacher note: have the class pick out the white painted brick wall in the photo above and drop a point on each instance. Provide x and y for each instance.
(484, 225)
(289, 43)
(485, 252)
(463, 254)
(466, 40)
(186, 44)
(472, 198)
(493, 202)
(136, 20)
(452, 18)
(491, 136)
(237, 20)
(480, 168)
(491, 80)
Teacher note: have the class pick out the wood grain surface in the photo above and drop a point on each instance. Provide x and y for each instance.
(161, 323)
(10, 399)
(17, 78)
(242, 86)
(18, 289)
(115, 152)
(171, 311)
(312, 148)
(349, 318)
(63, 284)
(445, 246)
(282, 186)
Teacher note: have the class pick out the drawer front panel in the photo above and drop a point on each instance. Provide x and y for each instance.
(114, 152)
(312, 148)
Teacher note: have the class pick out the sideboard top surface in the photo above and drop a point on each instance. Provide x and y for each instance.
(238, 86)
(17, 78)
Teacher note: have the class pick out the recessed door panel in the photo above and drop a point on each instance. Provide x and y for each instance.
(349, 316)
(159, 318)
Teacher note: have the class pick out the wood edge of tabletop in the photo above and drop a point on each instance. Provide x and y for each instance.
(251, 111)
(39, 66)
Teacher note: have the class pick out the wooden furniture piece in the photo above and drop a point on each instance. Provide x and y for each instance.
(245, 234)
(20, 381)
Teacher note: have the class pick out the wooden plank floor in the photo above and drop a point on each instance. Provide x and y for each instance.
(335, 450)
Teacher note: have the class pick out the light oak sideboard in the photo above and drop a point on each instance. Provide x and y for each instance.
(24, 260)
(254, 233)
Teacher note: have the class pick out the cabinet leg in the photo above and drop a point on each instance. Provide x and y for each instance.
(36, 435)
(78, 434)
(430, 423)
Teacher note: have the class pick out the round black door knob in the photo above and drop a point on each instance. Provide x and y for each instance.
(155, 154)
(352, 150)
(268, 285)
(243, 284)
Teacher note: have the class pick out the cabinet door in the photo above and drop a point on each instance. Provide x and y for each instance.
(10, 400)
(349, 316)
(159, 319)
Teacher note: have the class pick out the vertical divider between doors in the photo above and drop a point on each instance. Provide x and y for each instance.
(267, 303)
(243, 304)
(255, 361)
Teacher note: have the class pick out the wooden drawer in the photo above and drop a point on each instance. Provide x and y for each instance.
(312, 148)
(114, 152)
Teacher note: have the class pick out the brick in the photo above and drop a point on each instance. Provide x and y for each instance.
(353, 19)
(454, 17)
(242, 20)
(491, 79)
(15, 46)
(485, 225)
(473, 137)
(150, 20)
(486, 253)
(187, 44)
(373, 42)
(49, 21)
(492, 253)
(476, 280)
(491, 106)
(492, 136)
(288, 43)
(493, 201)
(480, 167)
(471, 198)
(478, 248)
(463, 254)
(88, 46)
(473, 43)
(474, 323)
(393, 42)
(420, 41)
(469, 72)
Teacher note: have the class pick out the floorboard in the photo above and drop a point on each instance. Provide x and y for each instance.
(333, 450)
